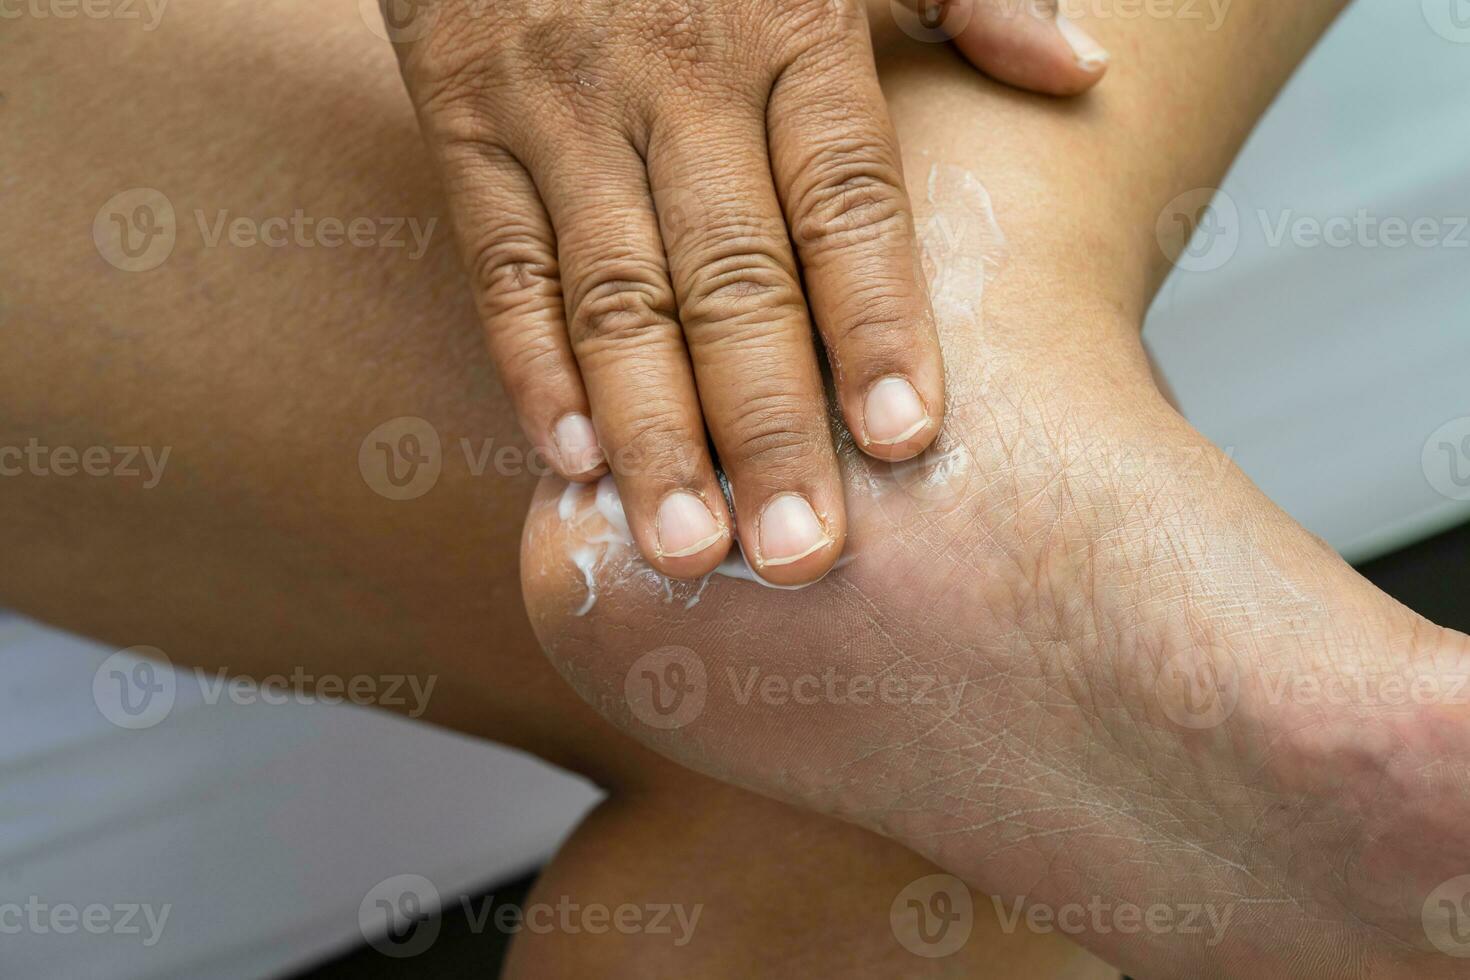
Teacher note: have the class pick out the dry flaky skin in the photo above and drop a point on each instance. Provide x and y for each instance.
(1014, 675)
(1029, 738)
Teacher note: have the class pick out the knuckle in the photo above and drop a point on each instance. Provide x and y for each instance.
(852, 194)
(744, 281)
(618, 301)
(513, 262)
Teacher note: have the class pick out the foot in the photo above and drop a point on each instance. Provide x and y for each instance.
(1075, 658)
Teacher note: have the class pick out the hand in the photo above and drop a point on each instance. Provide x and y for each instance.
(647, 194)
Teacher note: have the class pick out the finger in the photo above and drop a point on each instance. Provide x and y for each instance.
(626, 338)
(836, 165)
(749, 337)
(1031, 44)
(510, 252)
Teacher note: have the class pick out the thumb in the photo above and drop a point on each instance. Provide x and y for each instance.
(1030, 44)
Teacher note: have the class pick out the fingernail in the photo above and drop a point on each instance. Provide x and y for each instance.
(893, 413)
(1091, 56)
(686, 526)
(576, 443)
(789, 530)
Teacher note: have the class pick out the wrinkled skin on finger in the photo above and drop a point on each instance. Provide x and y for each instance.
(659, 202)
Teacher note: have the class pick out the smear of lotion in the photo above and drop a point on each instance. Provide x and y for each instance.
(963, 248)
(961, 242)
(601, 546)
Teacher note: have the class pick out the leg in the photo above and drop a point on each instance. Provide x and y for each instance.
(268, 544)
(1073, 655)
(777, 894)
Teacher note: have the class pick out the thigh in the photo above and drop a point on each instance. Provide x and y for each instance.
(230, 279)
